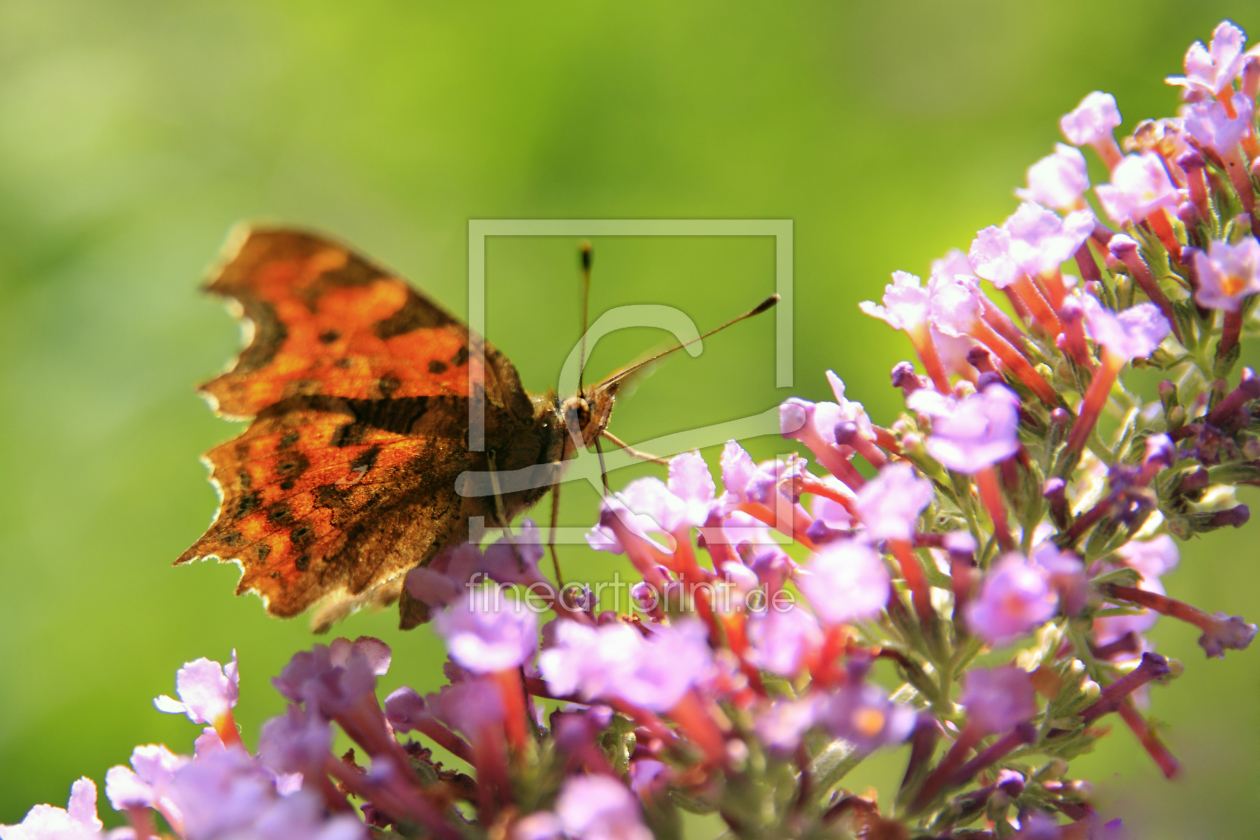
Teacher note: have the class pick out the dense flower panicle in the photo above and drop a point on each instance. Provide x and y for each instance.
(999, 520)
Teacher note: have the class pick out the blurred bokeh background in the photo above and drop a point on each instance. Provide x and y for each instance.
(133, 134)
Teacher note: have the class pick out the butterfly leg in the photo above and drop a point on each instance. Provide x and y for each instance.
(655, 459)
(500, 511)
(551, 542)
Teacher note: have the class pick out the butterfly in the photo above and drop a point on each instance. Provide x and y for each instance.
(357, 388)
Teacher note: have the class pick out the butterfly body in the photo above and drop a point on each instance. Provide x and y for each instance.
(358, 388)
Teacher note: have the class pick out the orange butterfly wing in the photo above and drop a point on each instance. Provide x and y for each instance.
(359, 389)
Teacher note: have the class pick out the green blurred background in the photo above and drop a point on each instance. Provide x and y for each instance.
(133, 134)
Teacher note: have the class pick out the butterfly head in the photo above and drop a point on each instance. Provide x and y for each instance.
(586, 415)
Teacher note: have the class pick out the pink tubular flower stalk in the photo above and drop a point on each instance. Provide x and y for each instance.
(956, 311)
(1133, 333)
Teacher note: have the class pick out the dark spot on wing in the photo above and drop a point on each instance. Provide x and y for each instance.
(302, 563)
(415, 314)
(292, 465)
(329, 336)
(243, 478)
(264, 551)
(365, 460)
(231, 538)
(302, 535)
(388, 385)
(460, 358)
(288, 439)
(344, 363)
(246, 504)
(437, 367)
(279, 514)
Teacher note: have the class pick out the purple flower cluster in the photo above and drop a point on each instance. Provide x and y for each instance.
(793, 616)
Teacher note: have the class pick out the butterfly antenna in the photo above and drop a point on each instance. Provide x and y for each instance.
(584, 250)
(766, 304)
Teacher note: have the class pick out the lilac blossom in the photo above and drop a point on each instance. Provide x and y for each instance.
(1058, 180)
(906, 304)
(1139, 187)
(600, 808)
(1066, 574)
(335, 679)
(1212, 69)
(515, 559)
(1092, 120)
(1212, 126)
(207, 691)
(1032, 241)
(1228, 274)
(1131, 334)
(862, 714)
(1015, 598)
(781, 724)
(77, 821)
(615, 661)
(485, 632)
(998, 699)
(472, 706)
(889, 504)
(846, 581)
(975, 432)
(445, 579)
(147, 783)
(783, 640)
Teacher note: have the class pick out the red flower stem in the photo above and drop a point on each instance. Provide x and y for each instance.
(1002, 323)
(1231, 330)
(1017, 303)
(695, 721)
(1164, 759)
(444, 738)
(405, 804)
(225, 728)
(933, 784)
(1095, 398)
(1153, 667)
(1055, 291)
(1141, 274)
(885, 440)
(1164, 230)
(1023, 733)
(636, 550)
(699, 583)
(1012, 358)
(1108, 150)
(1163, 605)
(921, 338)
(1037, 305)
(812, 485)
(1241, 180)
(991, 497)
(916, 581)
(141, 820)
(792, 528)
(512, 693)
